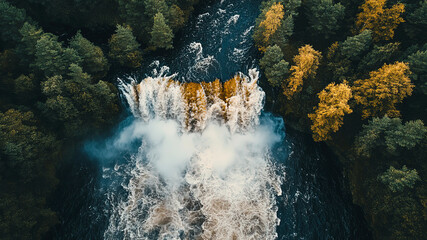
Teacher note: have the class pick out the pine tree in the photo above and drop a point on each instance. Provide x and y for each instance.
(324, 16)
(124, 48)
(94, 61)
(11, 20)
(329, 114)
(354, 47)
(161, 35)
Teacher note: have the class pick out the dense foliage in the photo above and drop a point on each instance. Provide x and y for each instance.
(358, 82)
(55, 89)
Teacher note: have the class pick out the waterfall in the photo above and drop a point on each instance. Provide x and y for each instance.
(203, 169)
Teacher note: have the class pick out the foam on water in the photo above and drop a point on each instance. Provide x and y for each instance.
(211, 180)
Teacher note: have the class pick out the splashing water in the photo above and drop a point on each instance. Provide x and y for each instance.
(203, 169)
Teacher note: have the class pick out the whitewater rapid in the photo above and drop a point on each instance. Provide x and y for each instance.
(203, 168)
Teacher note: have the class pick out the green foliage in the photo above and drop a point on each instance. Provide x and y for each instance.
(176, 17)
(324, 16)
(153, 7)
(30, 34)
(124, 48)
(51, 58)
(354, 47)
(398, 179)
(93, 58)
(77, 104)
(11, 20)
(418, 64)
(379, 55)
(417, 21)
(161, 35)
(275, 68)
(389, 133)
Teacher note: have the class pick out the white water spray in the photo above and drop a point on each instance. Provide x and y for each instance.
(214, 180)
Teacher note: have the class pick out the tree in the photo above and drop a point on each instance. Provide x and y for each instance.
(161, 35)
(274, 66)
(379, 94)
(30, 34)
(11, 20)
(153, 7)
(94, 61)
(272, 21)
(389, 133)
(52, 58)
(418, 63)
(77, 105)
(176, 17)
(329, 114)
(353, 47)
(306, 64)
(124, 48)
(398, 179)
(324, 16)
(378, 56)
(382, 21)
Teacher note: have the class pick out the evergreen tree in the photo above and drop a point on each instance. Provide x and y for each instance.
(398, 179)
(161, 35)
(379, 55)
(418, 64)
(324, 17)
(274, 66)
(354, 47)
(11, 20)
(389, 133)
(124, 48)
(93, 58)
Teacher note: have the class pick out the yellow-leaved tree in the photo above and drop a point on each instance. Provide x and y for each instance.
(272, 21)
(306, 63)
(387, 86)
(382, 21)
(329, 114)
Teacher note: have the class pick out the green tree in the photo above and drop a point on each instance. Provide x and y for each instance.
(274, 66)
(418, 64)
(30, 34)
(153, 7)
(94, 61)
(324, 16)
(379, 55)
(11, 20)
(176, 17)
(52, 58)
(354, 47)
(161, 35)
(124, 48)
(398, 179)
(389, 133)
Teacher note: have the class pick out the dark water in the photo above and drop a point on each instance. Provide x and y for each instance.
(216, 44)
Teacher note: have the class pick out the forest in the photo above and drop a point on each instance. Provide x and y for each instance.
(352, 73)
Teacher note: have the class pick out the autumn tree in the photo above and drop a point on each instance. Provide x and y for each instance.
(124, 48)
(386, 87)
(329, 114)
(306, 64)
(398, 179)
(271, 21)
(382, 21)
(274, 66)
(324, 17)
(161, 35)
(389, 134)
(93, 60)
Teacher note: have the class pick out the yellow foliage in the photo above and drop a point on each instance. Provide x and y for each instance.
(329, 114)
(386, 87)
(306, 64)
(382, 21)
(272, 21)
(332, 50)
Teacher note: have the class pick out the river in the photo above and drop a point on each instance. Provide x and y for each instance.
(193, 159)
